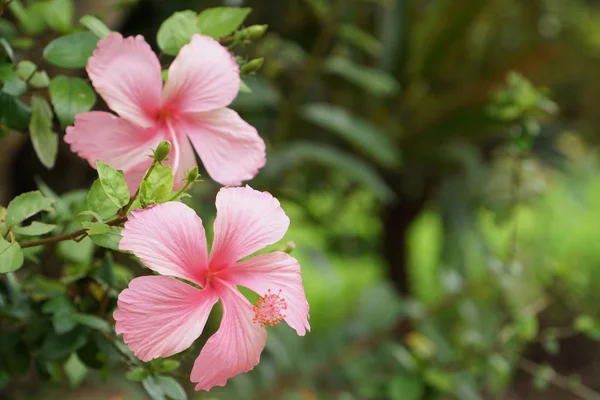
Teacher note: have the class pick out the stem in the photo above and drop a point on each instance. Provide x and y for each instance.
(137, 192)
(561, 381)
(183, 189)
(80, 234)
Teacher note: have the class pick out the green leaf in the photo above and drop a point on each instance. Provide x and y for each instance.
(96, 26)
(299, 153)
(176, 31)
(113, 183)
(109, 240)
(137, 374)
(91, 321)
(166, 366)
(99, 202)
(75, 370)
(70, 96)
(26, 17)
(6, 51)
(71, 51)
(59, 15)
(56, 347)
(406, 387)
(221, 21)
(371, 80)
(153, 388)
(45, 142)
(157, 187)
(95, 228)
(171, 388)
(13, 113)
(361, 39)
(11, 256)
(244, 88)
(26, 205)
(360, 133)
(34, 229)
(12, 84)
(39, 79)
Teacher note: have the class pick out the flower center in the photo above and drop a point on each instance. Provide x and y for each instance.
(268, 309)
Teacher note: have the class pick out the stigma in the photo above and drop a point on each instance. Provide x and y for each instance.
(269, 309)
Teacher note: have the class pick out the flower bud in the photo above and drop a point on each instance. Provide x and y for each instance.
(252, 66)
(255, 32)
(192, 175)
(162, 151)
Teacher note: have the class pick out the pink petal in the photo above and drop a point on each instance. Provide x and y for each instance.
(277, 273)
(126, 73)
(203, 77)
(235, 348)
(161, 316)
(98, 135)
(230, 149)
(247, 220)
(169, 239)
(182, 157)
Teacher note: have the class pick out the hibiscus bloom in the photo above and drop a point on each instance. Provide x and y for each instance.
(202, 80)
(160, 315)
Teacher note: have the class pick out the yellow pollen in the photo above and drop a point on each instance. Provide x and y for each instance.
(268, 309)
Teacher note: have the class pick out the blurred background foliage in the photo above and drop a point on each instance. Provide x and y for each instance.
(438, 160)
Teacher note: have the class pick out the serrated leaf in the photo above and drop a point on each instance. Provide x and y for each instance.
(157, 186)
(371, 80)
(39, 79)
(11, 256)
(99, 202)
(171, 388)
(176, 31)
(70, 96)
(11, 83)
(45, 142)
(113, 183)
(13, 113)
(71, 51)
(96, 26)
(34, 229)
(360, 133)
(26, 205)
(221, 21)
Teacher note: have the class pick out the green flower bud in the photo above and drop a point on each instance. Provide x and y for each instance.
(255, 32)
(162, 151)
(252, 66)
(192, 175)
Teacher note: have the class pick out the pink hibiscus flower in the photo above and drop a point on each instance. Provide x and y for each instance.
(202, 81)
(161, 315)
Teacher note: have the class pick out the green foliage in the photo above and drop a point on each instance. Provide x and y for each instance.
(69, 97)
(13, 113)
(27, 71)
(59, 15)
(371, 80)
(11, 256)
(113, 183)
(157, 188)
(12, 84)
(95, 26)
(25, 206)
(221, 21)
(45, 141)
(71, 51)
(176, 31)
(99, 202)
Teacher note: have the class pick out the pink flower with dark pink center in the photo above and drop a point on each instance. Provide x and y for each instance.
(161, 315)
(191, 107)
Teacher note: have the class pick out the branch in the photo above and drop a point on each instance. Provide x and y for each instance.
(80, 234)
(561, 381)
